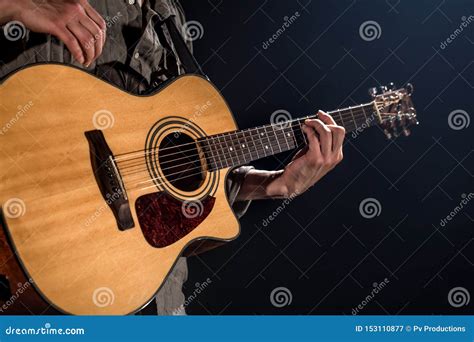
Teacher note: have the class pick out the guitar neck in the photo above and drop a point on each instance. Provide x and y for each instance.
(243, 146)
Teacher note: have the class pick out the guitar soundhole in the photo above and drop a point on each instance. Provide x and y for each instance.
(179, 161)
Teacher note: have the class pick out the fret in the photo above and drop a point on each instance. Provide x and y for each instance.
(301, 123)
(212, 155)
(365, 115)
(241, 147)
(268, 139)
(223, 141)
(233, 152)
(352, 114)
(217, 158)
(244, 146)
(286, 135)
(263, 135)
(259, 136)
(255, 145)
(250, 144)
(340, 115)
(276, 137)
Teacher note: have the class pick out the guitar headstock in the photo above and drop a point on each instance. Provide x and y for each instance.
(395, 109)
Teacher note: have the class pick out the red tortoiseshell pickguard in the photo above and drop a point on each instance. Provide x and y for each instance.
(163, 220)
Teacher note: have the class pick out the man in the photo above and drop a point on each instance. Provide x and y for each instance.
(118, 41)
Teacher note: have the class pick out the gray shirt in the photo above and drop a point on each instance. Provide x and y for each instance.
(135, 57)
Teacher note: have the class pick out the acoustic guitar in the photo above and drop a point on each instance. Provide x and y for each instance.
(102, 191)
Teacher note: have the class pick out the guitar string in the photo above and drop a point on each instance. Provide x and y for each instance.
(226, 162)
(359, 110)
(230, 158)
(279, 134)
(119, 158)
(280, 130)
(148, 180)
(191, 175)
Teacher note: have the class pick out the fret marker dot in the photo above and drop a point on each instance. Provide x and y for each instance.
(288, 134)
(243, 145)
(231, 149)
(266, 147)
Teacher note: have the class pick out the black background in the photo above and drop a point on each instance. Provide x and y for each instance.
(320, 248)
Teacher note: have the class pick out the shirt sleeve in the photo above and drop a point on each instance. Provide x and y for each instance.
(234, 181)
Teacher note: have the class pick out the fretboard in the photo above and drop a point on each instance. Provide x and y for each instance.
(241, 147)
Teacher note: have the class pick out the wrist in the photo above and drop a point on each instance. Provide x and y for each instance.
(275, 185)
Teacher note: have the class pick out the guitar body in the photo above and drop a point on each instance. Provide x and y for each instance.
(82, 256)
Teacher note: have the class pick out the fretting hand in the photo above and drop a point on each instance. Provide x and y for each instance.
(321, 155)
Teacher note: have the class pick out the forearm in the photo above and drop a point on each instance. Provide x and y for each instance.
(8, 9)
(261, 184)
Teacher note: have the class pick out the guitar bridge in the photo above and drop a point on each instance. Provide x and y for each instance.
(109, 179)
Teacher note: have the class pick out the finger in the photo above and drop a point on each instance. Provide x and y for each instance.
(326, 118)
(313, 141)
(338, 134)
(85, 40)
(72, 44)
(96, 32)
(324, 133)
(94, 15)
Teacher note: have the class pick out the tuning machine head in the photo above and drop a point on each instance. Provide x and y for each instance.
(396, 109)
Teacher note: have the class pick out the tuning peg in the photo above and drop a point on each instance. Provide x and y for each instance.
(409, 88)
(373, 92)
(391, 86)
(406, 132)
(383, 89)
